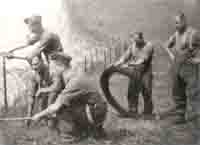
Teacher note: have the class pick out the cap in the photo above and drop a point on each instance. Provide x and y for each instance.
(33, 19)
(61, 57)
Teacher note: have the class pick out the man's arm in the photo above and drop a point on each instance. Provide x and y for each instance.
(51, 109)
(29, 41)
(54, 87)
(170, 44)
(125, 57)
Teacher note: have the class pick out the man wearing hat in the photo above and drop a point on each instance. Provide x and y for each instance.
(80, 98)
(43, 41)
(136, 63)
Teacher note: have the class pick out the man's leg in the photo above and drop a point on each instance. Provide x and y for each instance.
(180, 98)
(31, 103)
(147, 93)
(53, 122)
(132, 97)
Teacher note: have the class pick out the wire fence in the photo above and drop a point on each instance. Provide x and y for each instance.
(101, 58)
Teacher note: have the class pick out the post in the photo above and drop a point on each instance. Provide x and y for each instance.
(110, 55)
(5, 84)
(96, 52)
(91, 61)
(85, 64)
(104, 59)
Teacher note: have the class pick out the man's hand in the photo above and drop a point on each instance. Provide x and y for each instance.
(117, 64)
(36, 117)
(39, 92)
(10, 55)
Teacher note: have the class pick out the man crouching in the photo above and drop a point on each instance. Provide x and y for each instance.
(80, 99)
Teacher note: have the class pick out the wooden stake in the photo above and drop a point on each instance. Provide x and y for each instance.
(110, 55)
(85, 64)
(104, 59)
(5, 84)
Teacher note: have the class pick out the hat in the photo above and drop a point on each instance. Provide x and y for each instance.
(61, 57)
(33, 19)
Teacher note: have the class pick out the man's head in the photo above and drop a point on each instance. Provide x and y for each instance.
(137, 38)
(34, 23)
(37, 63)
(181, 22)
(60, 61)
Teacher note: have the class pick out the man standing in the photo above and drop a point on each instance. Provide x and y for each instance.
(80, 98)
(136, 63)
(185, 68)
(40, 39)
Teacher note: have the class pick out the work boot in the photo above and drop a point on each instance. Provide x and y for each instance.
(99, 132)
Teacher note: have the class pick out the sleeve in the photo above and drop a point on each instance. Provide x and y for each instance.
(69, 93)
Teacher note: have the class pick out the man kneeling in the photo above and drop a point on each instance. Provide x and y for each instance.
(80, 98)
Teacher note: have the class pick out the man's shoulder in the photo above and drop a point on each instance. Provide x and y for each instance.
(49, 35)
(149, 46)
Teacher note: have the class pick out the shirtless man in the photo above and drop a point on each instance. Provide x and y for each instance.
(136, 62)
(80, 98)
(36, 78)
(185, 69)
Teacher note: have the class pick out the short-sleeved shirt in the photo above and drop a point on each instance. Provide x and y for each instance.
(47, 42)
(77, 86)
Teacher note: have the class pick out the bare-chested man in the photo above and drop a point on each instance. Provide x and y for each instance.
(34, 79)
(136, 62)
(185, 69)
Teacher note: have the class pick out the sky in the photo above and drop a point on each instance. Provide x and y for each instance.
(12, 13)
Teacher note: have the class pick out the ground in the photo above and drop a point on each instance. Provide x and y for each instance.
(120, 131)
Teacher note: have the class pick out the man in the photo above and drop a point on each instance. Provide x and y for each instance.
(40, 39)
(80, 98)
(185, 69)
(36, 78)
(136, 63)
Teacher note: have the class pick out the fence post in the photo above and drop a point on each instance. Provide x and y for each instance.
(91, 60)
(104, 59)
(5, 84)
(96, 53)
(85, 64)
(110, 55)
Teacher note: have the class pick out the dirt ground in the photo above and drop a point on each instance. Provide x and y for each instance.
(120, 131)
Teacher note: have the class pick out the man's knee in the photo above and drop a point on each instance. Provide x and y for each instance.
(31, 100)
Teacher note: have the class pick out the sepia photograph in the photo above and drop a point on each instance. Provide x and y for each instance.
(100, 72)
